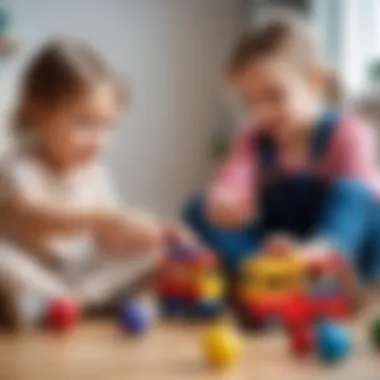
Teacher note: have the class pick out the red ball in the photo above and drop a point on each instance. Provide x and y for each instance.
(63, 314)
(302, 340)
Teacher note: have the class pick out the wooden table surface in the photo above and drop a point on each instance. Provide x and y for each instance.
(98, 351)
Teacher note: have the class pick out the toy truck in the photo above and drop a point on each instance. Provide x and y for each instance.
(288, 290)
(189, 282)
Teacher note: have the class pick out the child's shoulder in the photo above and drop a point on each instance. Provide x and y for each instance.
(18, 170)
(97, 172)
(352, 129)
(16, 162)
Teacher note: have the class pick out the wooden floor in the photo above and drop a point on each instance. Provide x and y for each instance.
(97, 351)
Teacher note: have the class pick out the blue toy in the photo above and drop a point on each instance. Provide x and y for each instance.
(135, 317)
(333, 341)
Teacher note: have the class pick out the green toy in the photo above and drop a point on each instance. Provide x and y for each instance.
(375, 332)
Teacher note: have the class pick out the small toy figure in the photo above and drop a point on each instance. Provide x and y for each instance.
(189, 282)
(375, 332)
(286, 288)
(135, 317)
(222, 345)
(333, 342)
(62, 314)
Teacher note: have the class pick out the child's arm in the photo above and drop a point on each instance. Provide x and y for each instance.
(33, 224)
(29, 220)
(353, 174)
(231, 199)
(131, 231)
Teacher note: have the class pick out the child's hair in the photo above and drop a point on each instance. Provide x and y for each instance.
(283, 35)
(61, 70)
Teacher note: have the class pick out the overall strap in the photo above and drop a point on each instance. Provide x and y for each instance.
(325, 130)
(267, 152)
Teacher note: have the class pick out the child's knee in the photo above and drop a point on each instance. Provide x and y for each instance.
(350, 189)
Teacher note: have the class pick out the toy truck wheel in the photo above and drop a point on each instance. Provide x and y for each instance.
(208, 310)
(170, 307)
(247, 321)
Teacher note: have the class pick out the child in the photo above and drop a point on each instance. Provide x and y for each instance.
(297, 167)
(63, 231)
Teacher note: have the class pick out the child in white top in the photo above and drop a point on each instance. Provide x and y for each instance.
(63, 231)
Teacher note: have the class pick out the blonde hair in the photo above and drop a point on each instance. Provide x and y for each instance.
(286, 35)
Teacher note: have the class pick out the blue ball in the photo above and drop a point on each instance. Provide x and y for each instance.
(333, 341)
(135, 317)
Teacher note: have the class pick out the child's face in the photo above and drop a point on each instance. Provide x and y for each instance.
(277, 96)
(75, 133)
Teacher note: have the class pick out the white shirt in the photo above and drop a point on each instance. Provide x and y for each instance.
(84, 189)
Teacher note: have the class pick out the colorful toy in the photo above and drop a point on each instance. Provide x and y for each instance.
(375, 332)
(189, 282)
(222, 345)
(135, 317)
(333, 342)
(286, 288)
(302, 340)
(62, 314)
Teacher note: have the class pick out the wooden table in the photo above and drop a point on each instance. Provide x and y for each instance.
(98, 351)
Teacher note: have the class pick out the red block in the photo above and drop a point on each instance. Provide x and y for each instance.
(302, 340)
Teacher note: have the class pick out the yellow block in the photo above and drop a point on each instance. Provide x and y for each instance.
(271, 276)
(212, 287)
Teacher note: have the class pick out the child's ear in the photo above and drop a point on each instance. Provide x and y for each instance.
(317, 78)
(326, 82)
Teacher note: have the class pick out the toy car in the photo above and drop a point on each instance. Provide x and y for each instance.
(189, 282)
(288, 290)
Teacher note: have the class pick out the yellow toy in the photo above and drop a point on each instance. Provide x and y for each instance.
(222, 345)
(291, 290)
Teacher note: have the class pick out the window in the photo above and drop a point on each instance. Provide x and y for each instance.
(349, 31)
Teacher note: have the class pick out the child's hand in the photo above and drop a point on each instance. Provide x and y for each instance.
(229, 212)
(280, 244)
(178, 234)
(127, 233)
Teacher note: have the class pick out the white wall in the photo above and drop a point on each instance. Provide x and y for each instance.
(172, 52)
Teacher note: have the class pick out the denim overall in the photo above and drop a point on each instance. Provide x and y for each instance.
(304, 205)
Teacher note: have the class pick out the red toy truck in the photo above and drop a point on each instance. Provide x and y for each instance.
(189, 282)
(287, 289)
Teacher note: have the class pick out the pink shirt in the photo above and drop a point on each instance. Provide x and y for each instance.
(350, 154)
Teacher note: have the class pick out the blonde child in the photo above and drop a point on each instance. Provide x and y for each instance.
(298, 167)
